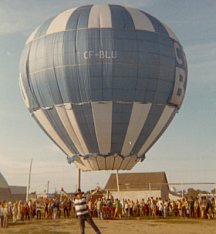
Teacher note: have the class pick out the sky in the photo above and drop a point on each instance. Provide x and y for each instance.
(187, 149)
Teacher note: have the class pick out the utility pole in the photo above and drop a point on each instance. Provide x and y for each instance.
(29, 182)
(48, 188)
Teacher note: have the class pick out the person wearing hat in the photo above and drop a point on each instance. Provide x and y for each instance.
(82, 212)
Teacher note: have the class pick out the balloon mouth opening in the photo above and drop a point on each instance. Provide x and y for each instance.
(95, 161)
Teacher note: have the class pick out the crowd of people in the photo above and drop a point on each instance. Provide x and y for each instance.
(202, 207)
(41, 208)
(104, 208)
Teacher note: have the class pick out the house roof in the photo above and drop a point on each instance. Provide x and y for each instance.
(137, 181)
(5, 193)
(3, 182)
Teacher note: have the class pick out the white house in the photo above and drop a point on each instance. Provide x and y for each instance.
(136, 186)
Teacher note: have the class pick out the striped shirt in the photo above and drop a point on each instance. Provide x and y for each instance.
(81, 206)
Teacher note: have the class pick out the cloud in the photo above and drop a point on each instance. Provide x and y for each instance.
(201, 62)
(9, 54)
(199, 53)
(24, 16)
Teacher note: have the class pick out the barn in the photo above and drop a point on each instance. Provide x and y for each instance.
(5, 192)
(138, 185)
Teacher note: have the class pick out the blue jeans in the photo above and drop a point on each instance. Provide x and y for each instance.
(88, 219)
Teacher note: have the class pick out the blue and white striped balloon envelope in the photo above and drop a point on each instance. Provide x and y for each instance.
(103, 82)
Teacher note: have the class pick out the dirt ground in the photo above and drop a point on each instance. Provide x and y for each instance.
(129, 226)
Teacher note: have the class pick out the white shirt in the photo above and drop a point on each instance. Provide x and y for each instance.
(81, 206)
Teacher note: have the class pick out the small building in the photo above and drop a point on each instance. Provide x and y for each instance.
(137, 186)
(18, 193)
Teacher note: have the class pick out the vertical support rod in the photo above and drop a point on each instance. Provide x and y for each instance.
(78, 179)
(47, 188)
(117, 181)
(182, 191)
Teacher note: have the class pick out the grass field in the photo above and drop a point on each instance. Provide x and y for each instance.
(124, 226)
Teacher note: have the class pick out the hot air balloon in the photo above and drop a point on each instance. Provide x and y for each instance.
(103, 82)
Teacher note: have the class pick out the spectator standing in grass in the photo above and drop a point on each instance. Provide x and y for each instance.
(160, 207)
(5, 214)
(99, 206)
(83, 213)
(15, 211)
(1, 215)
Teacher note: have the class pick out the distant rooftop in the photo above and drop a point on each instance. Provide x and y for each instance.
(3, 182)
(137, 181)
